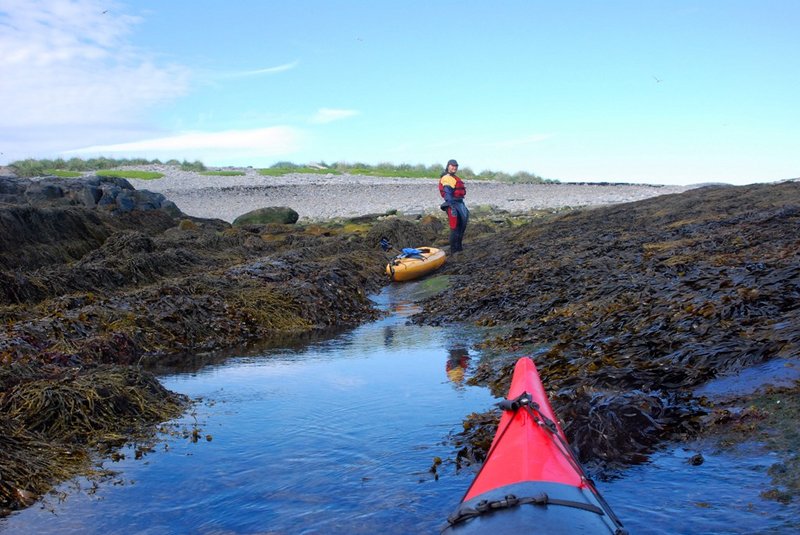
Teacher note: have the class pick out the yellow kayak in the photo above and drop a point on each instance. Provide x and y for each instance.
(414, 263)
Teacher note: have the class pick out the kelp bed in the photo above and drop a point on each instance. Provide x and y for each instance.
(91, 300)
(50, 425)
(627, 309)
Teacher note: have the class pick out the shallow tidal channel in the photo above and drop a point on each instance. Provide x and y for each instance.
(340, 435)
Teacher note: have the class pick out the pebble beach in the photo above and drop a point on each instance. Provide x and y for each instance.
(326, 196)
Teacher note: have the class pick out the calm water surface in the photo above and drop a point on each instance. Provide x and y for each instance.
(339, 437)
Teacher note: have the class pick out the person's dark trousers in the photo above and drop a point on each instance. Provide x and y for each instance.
(457, 234)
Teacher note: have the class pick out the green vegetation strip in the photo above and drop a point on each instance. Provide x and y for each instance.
(141, 175)
(63, 174)
(222, 173)
(399, 171)
(305, 170)
(31, 168)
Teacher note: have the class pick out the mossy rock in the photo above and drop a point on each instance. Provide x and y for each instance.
(264, 216)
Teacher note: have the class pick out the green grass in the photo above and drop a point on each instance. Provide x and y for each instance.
(280, 171)
(62, 173)
(222, 173)
(141, 175)
(397, 173)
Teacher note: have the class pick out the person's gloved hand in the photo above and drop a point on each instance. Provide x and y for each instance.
(444, 206)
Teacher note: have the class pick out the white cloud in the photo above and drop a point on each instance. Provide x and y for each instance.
(67, 65)
(224, 147)
(47, 32)
(63, 95)
(328, 115)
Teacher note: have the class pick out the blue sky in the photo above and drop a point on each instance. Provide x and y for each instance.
(663, 92)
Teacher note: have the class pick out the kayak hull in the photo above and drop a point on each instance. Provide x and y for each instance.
(410, 268)
(530, 481)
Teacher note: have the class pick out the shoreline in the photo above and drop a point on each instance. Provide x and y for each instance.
(327, 196)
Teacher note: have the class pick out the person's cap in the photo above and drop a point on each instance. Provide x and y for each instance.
(452, 162)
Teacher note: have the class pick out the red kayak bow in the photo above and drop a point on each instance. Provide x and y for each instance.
(531, 481)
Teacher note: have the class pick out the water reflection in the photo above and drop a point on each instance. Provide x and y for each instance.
(337, 436)
(334, 437)
(457, 363)
(776, 372)
(669, 495)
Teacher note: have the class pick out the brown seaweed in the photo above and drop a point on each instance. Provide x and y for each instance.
(628, 308)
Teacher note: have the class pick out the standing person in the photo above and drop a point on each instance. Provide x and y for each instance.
(453, 191)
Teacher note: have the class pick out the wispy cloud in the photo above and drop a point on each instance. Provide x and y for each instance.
(328, 115)
(261, 72)
(207, 146)
(70, 64)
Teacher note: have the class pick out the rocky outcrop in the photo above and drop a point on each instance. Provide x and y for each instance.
(115, 195)
(55, 221)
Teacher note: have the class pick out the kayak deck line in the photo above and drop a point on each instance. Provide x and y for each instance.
(465, 512)
(531, 463)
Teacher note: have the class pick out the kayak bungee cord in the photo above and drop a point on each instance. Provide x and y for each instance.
(485, 506)
(526, 402)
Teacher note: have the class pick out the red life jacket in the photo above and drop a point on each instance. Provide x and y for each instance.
(459, 189)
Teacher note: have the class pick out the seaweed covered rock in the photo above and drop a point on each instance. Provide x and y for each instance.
(609, 430)
(264, 216)
(403, 233)
(656, 297)
(84, 287)
(165, 296)
(43, 224)
(47, 421)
